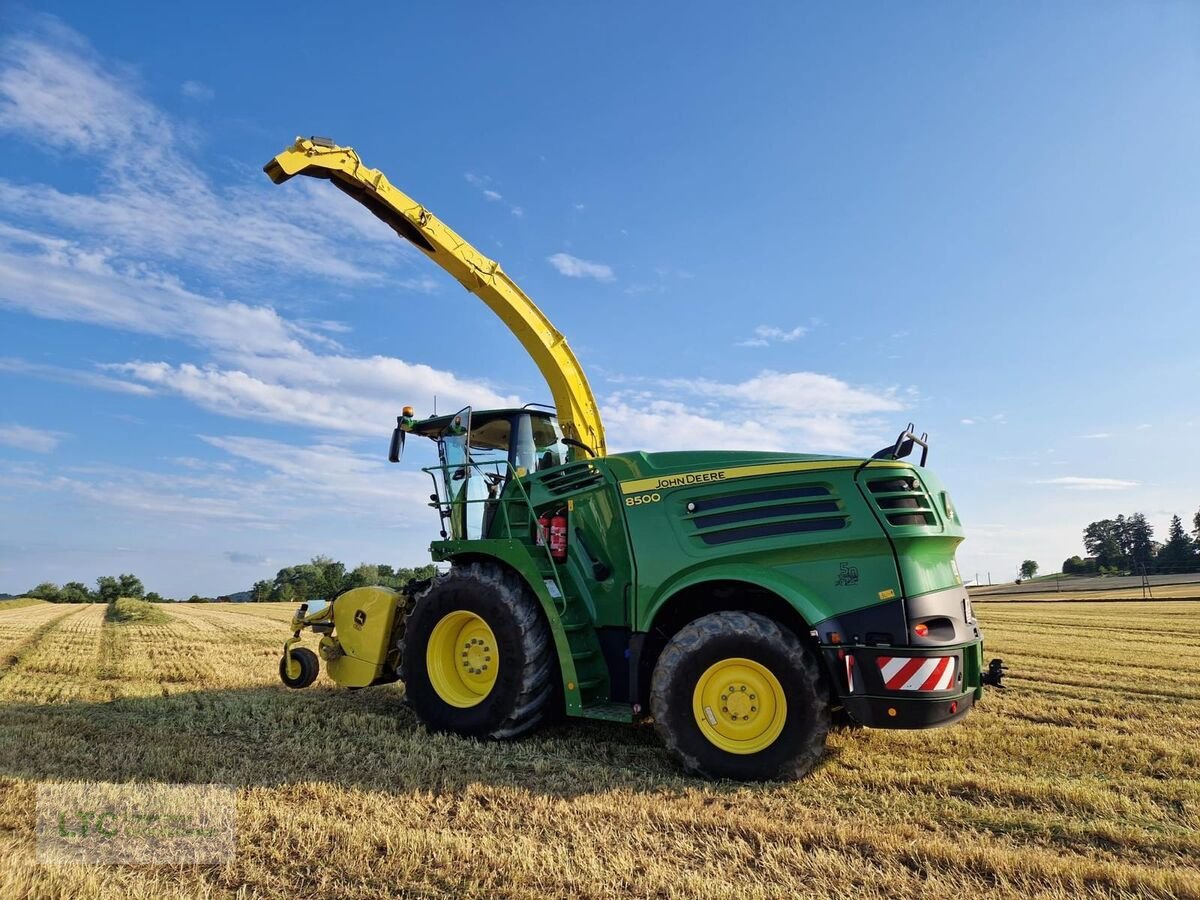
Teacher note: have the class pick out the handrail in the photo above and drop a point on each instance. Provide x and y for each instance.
(503, 501)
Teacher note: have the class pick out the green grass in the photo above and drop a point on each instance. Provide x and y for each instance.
(127, 610)
(1081, 780)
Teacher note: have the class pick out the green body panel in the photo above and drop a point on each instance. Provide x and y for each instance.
(810, 529)
(926, 555)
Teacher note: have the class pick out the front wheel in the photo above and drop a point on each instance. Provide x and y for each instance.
(301, 670)
(478, 658)
(736, 695)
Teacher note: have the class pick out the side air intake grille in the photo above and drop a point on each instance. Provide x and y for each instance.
(903, 500)
(571, 479)
(726, 518)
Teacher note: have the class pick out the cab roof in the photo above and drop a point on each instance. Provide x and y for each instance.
(434, 426)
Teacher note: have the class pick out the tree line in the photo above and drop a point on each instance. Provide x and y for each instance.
(108, 588)
(321, 578)
(1126, 544)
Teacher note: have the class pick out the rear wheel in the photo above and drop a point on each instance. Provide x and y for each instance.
(478, 659)
(736, 695)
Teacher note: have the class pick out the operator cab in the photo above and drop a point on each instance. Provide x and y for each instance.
(478, 454)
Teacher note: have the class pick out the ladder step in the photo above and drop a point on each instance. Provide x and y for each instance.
(586, 683)
(575, 627)
(609, 711)
(582, 654)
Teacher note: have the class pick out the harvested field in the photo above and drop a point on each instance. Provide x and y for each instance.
(1083, 779)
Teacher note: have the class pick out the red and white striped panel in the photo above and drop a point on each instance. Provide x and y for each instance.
(917, 673)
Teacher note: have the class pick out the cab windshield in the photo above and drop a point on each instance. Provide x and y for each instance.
(480, 453)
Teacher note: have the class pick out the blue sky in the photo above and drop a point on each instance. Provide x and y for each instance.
(797, 229)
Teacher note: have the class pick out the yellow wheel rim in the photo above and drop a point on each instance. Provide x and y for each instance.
(462, 659)
(739, 705)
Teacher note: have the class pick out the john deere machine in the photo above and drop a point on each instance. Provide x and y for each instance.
(739, 598)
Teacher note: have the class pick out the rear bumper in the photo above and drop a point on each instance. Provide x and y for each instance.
(905, 712)
(943, 687)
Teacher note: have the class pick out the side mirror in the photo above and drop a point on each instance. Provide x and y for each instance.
(396, 450)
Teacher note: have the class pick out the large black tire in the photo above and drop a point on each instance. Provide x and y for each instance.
(519, 699)
(722, 636)
(309, 667)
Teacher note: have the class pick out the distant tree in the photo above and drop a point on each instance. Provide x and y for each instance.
(76, 592)
(108, 589)
(196, 598)
(333, 576)
(1196, 527)
(1104, 540)
(323, 578)
(154, 597)
(1179, 552)
(1028, 568)
(130, 586)
(1141, 542)
(364, 574)
(47, 590)
(1074, 566)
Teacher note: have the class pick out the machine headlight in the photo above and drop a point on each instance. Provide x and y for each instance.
(948, 506)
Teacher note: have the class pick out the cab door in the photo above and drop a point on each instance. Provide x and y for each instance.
(454, 454)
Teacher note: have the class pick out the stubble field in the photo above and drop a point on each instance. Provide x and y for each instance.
(1083, 778)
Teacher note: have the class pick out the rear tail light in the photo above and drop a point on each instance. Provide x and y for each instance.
(920, 629)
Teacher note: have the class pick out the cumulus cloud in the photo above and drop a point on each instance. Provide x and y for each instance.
(22, 437)
(322, 391)
(574, 267)
(783, 411)
(1079, 483)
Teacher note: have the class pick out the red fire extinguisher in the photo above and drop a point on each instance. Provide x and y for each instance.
(543, 529)
(558, 536)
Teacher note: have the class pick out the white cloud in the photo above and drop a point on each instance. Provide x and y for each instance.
(19, 366)
(574, 267)
(59, 279)
(493, 195)
(1097, 436)
(769, 334)
(195, 90)
(328, 392)
(793, 411)
(994, 419)
(22, 437)
(1078, 483)
(151, 199)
